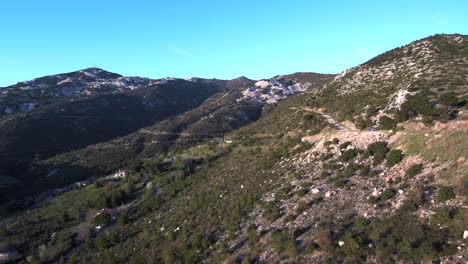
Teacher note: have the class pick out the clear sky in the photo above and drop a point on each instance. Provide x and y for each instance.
(211, 38)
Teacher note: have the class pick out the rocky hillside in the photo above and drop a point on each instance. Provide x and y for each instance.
(420, 78)
(343, 172)
(109, 120)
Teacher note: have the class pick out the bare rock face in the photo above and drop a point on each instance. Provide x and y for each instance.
(271, 91)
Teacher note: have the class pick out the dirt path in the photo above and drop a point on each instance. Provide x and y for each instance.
(332, 121)
(329, 119)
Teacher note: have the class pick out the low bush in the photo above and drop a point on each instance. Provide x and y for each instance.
(271, 211)
(301, 207)
(360, 222)
(394, 157)
(387, 194)
(281, 242)
(345, 145)
(310, 248)
(376, 147)
(414, 170)
(348, 155)
(102, 219)
(387, 123)
(445, 193)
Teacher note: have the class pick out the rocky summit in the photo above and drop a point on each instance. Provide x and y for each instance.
(365, 166)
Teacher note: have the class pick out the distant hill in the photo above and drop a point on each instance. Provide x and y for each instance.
(109, 120)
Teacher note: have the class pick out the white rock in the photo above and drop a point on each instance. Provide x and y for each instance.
(315, 190)
(262, 84)
(341, 243)
(465, 234)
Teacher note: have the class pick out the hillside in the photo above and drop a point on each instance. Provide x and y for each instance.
(368, 166)
(84, 134)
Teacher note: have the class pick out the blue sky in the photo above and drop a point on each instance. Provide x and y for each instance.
(211, 39)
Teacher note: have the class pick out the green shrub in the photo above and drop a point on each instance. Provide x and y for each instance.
(281, 242)
(378, 158)
(360, 222)
(310, 248)
(373, 200)
(345, 145)
(376, 147)
(414, 170)
(387, 194)
(404, 237)
(101, 242)
(348, 155)
(301, 207)
(283, 193)
(331, 166)
(271, 211)
(252, 238)
(123, 218)
(326, 156)
(340, 183)
(324, 174)
(288, 219)
(448, 98)
(351, 246)
(351, 169)
(102, 219)
(301, 192)
(394, 157)
(336, 141)
(445, 193)
(366, 171)
(386, 122)
(378, 150)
